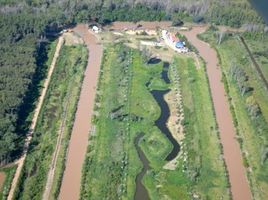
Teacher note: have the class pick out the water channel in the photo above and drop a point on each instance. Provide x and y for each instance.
(141, 192)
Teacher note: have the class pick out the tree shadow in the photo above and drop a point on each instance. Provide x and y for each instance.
(31, 96)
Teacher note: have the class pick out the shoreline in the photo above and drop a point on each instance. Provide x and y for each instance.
(231, 151)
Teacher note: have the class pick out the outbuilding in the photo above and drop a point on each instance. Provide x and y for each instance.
(95, 29)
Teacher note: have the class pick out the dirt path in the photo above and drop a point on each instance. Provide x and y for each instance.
(70, 187)
(2, 179)
(20, 162)
(231, 151)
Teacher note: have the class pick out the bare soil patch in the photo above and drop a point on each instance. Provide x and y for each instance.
(143, 25)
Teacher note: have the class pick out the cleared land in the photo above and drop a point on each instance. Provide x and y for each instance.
(248, 97)
(125, 107)
(64, 88)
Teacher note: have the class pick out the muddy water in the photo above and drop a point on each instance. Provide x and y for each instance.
(70, 187)
(231, 150)
(2, 180)
(141, 192)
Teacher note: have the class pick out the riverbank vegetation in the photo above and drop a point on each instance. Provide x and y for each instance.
(25, 26)
(57, 114)
(125, 107)
(248, 99)
(9, 173)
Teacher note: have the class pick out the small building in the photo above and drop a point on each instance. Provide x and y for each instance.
(96, 29)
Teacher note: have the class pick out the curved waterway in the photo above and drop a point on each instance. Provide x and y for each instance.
(161, 122)
(141, 192)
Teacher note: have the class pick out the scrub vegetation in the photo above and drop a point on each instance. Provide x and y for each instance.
(125, 107)
(248, 99)
(9, 174)
(59, 105)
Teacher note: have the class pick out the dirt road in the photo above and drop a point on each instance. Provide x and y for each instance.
(70, 187)
(2, 179)
(20, 162)
(231, 151)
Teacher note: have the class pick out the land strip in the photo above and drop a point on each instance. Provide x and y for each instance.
(70, 187)
(29, 136)
(231, 149)
(2, 180)
(51, 172)
(256, 65)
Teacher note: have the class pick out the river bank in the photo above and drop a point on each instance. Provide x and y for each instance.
(70, 187)
(231, 150)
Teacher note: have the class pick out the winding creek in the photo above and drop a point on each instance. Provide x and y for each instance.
(161, 122)
(141, 192)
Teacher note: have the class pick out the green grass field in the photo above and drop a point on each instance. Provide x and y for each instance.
(62, 95)
(9, 174)
(252, 129)
(125, 107)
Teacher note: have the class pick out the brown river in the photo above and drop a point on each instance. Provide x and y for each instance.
(231, 151)
(70, 187)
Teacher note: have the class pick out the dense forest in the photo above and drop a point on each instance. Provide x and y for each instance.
(26, 24)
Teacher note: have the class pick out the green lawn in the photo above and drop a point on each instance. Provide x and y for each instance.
(62, 94)
(252, 130)
(125, 107)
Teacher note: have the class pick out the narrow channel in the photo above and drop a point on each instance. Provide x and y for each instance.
(141, 192)
(161, 122)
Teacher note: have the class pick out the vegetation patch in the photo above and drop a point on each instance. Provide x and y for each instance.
(124, 91)
(63, 90)
(9, 173)
(248, 98)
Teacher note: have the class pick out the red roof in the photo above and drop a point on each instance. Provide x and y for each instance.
(174, 38)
